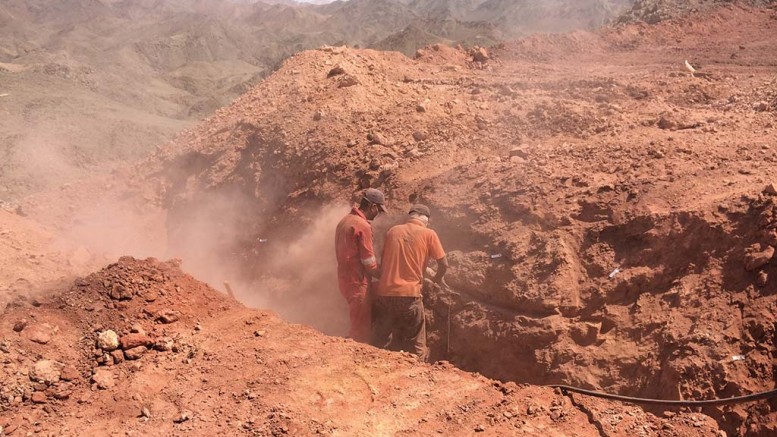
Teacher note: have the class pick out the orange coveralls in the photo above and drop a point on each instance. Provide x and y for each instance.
(355, 255)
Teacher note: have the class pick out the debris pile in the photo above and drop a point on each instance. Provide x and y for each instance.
(116, 315)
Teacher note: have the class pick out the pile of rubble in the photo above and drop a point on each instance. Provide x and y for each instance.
(107, 319)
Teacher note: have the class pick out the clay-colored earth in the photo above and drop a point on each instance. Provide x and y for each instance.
(609, 217)
(222, 369)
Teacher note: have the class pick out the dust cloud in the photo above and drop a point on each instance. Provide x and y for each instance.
(224, 237)
(294, 276)
(112, 228)
(212, 235)
(300, 279)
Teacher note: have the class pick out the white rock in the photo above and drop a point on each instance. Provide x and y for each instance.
(45, 371)
(108, 340)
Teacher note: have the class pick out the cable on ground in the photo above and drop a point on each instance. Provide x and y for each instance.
(676, 403)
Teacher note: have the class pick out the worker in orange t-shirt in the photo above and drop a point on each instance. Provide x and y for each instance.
(398, 311)
(356, 261)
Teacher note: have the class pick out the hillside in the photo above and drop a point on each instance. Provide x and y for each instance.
(130, 74)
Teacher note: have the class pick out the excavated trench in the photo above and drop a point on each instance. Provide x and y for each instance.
(674, 306)
(680, 318)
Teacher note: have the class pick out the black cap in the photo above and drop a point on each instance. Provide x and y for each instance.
(420, 209)
(376, 197)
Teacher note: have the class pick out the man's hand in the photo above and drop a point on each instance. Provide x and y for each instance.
(431, 285)
(374, 273)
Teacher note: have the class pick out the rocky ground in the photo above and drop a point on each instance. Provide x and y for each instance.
(139, 348)
(609, 217)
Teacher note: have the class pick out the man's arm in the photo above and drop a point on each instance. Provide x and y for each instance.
(438, 253)
(367, 255)
(442, 267)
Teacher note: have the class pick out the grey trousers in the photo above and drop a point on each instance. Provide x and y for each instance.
(399, 324)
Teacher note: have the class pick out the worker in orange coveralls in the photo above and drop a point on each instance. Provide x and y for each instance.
(399, 321)
(356, 261)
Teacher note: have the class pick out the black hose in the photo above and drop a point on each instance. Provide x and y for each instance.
(676, 403)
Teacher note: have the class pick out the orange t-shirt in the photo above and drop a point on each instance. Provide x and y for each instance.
(406, 252)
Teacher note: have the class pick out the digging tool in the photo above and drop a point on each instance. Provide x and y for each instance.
(444, 285)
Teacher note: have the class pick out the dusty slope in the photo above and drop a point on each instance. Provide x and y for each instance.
(547, 16)
(33, 260)
(549, 167)
(654, 11)
(54, 129)
(201, 364)
(94, 83)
